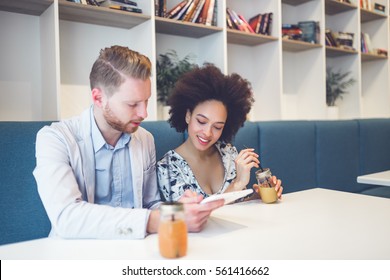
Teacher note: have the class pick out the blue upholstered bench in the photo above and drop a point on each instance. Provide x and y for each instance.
(304, 154)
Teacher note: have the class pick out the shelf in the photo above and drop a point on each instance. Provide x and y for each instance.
(248, 39)
(366, 15)
(29, 7)
(333, 7)
(298, 46)
(185, 29)
(336, 52)
(372, 57)
(99, 15)
(295, 2)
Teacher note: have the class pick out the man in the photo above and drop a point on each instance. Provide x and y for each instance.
(96, 173)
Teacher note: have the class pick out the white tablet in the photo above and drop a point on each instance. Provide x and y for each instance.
(229, 196)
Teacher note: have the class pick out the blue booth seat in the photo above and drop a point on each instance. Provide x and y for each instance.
(303, 154)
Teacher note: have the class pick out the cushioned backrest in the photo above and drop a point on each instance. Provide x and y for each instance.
(248, 137)
(288, 148)
(374, 136)
(166, 138)
(22, 215)
(338, 155)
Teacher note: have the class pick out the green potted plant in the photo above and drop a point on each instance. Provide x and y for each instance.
(169, 68)
(336, 85)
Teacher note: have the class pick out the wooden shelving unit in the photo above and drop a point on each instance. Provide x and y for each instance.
(52, 44)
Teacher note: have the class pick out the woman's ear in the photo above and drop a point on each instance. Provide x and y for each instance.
(188, 116)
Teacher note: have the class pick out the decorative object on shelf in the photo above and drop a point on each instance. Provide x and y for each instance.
(169, 68)
(379, 8)
(336, 85)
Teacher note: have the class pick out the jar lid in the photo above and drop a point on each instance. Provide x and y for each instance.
(263, 173)
(168, 208)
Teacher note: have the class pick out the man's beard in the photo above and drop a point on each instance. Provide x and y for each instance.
(117, 124)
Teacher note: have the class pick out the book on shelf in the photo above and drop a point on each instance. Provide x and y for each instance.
(198, 10)
(124, 8)
(238, 22)
(210, 13)
(175, 10)
(162, 7)
(291, 31)
(121, 5)
(246, 24)
(127, 2)
(330, 38)
(366, 45)
(261, 23)
(195, 11)
(215, 14)
(345, 40)
(106, 2)
(180, 14)
(366, 4)
(203, 14)
(255, 22)
(310, 31)
(190, 11)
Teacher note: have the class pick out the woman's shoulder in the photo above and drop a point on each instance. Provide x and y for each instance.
(170, 157)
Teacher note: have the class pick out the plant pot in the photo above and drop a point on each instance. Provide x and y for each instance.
(165, 112)
(333, 113)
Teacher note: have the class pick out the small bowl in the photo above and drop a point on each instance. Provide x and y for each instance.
(268, 195)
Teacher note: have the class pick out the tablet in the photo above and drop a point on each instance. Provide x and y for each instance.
(229, 196)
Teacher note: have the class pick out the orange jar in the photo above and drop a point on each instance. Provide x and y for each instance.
(172, 231)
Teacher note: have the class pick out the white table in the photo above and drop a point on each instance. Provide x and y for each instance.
(313, 224)
(379, 178)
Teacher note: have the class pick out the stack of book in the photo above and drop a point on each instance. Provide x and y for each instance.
(237, 22)
(343, 40)
(195, 11)
(366, 46)
(291, 32)
(307, 31)
(122, 5)
(261, 23)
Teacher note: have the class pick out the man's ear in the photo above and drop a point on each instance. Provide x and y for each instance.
(97, 97)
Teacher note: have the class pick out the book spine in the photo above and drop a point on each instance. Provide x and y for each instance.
(180, 15)
(203, 13)
(248, 27)
(197, 11)
(176, 9)
(190, 10)
(215, 14)
(210, 13)
(128, 2)
(127, 9)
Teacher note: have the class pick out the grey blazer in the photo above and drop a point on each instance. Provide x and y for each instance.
(65, 175)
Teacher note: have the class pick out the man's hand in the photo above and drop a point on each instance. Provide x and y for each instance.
(197, 214)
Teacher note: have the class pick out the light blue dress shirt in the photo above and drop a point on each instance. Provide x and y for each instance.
(113, 176)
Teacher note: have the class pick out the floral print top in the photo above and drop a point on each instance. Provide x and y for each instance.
(175, 175)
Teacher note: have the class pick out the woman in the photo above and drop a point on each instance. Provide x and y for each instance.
(211, 107)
